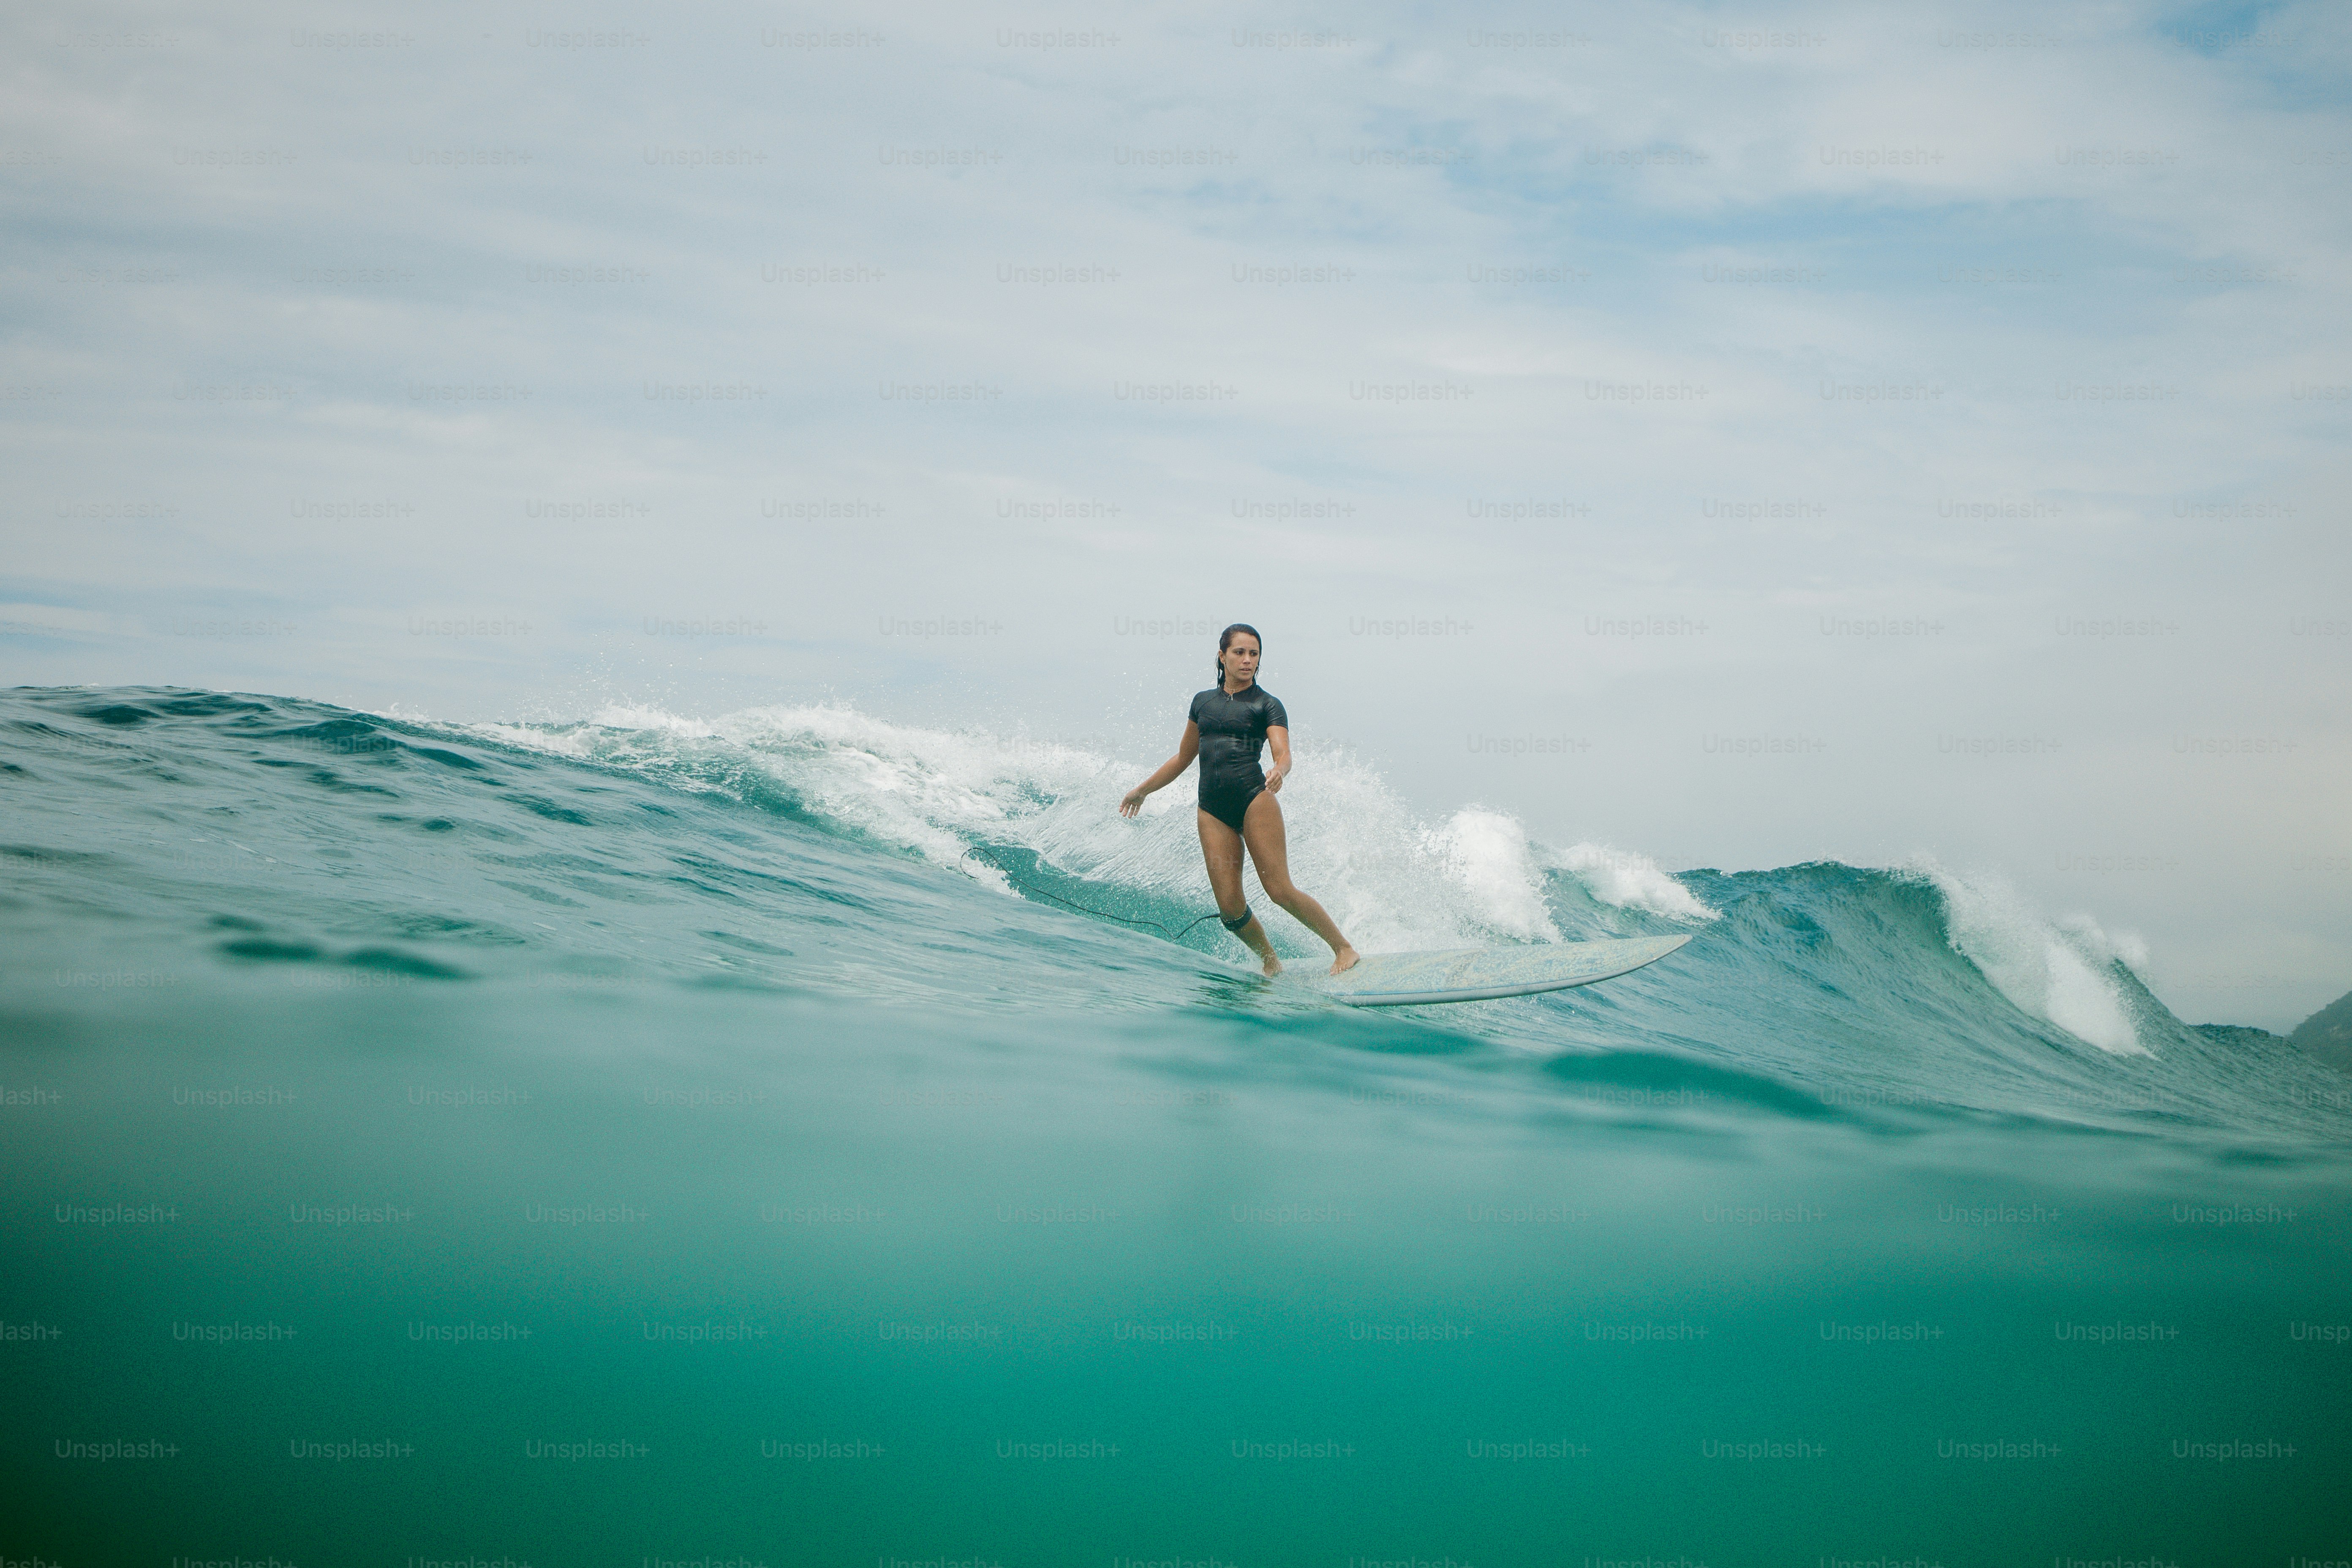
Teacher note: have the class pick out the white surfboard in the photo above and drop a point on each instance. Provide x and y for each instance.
(1475, 973)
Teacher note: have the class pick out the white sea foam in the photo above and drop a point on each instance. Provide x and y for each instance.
(1631, 880)
(2127, 948)
(1486, 853)
(562, 743)
(2059, 971)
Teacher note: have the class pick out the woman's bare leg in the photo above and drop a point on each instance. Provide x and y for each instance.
(1220, 846)
(1269, 851)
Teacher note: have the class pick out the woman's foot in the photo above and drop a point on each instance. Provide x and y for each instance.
(1342, 961)
(1273, 964)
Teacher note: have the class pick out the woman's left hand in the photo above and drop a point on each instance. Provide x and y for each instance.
(1274, 781)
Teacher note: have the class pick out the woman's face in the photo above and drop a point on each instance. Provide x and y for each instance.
(1240, 658)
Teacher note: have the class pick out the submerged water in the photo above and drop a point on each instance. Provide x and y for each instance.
(801, 1139)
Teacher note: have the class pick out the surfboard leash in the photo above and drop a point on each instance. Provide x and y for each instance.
(975, 852)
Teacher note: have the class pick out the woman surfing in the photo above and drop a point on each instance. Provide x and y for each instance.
(1227, 725)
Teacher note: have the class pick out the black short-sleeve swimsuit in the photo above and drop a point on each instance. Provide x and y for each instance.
(1233, 729)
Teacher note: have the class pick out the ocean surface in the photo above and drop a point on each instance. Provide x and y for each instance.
(792, 1137)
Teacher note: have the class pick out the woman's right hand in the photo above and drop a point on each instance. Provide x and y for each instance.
(1134, 801)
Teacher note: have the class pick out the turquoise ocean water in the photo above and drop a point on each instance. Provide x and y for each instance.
(653, 1140)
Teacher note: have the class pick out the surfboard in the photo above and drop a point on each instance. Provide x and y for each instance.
(1477, 973)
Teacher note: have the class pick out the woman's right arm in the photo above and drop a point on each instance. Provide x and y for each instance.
(1186, 749)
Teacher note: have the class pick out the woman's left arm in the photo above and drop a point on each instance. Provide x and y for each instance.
(1277, 741)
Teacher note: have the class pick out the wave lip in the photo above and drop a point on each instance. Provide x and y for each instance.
(1632, 880)
(2063, 972)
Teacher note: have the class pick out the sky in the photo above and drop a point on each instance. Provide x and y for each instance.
(1743, 436)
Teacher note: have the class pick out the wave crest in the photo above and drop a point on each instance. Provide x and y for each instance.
(2063, 970)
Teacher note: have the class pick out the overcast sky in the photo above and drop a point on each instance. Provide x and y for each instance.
(1743, 435)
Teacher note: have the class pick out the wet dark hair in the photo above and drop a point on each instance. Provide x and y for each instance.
(1226, 640)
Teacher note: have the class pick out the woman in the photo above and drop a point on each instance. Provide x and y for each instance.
(1228, 723)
